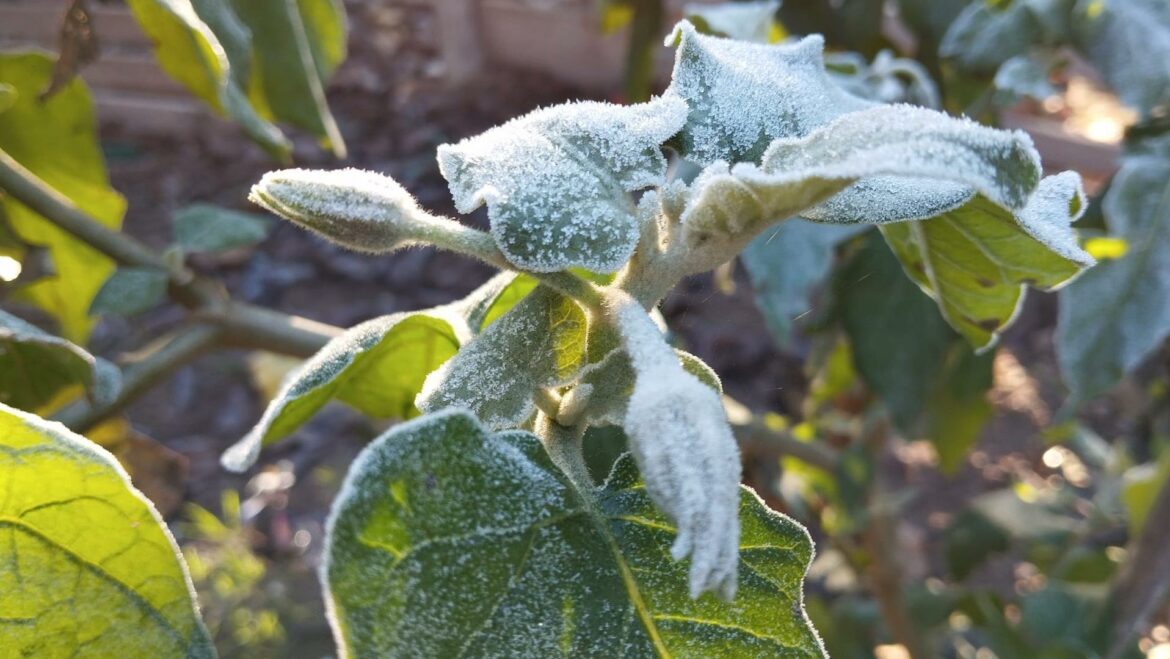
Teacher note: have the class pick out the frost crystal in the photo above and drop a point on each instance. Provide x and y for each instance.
(556, 180)
(683, 445)
(358, 209)
(743, 96)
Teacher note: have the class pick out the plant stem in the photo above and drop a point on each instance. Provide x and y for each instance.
(182, 347)
(1143, 583)
(563, 445)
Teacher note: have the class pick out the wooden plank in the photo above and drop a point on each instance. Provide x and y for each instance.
(459, 39)
(145, 114)
(1061, 149)
(38, 23)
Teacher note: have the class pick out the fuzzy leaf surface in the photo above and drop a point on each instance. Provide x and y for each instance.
(540, 342)
(977, 260)
(556, 181)
(378, 367)
(131, 291)
(448, 540)
(36, 367)
(743, 96)
(611, 381)
(56, 140)
(1116, 314)
(892, 146)
(88, 564)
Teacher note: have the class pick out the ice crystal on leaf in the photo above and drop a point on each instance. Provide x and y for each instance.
(743, 96)
(556, 181)
(361, 210)
(683, 445)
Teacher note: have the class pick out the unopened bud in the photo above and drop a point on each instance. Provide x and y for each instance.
(358, 209)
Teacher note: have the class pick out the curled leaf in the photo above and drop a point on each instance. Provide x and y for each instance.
(358, 209)
(682, 442)
(556, 180)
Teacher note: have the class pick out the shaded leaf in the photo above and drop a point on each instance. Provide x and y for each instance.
(556, 180)
(976, 260)
(131, 291)
(77, 46)
(207, 228)
(88, 562)
(36, 368)
(785, 264)
(378, 367)
(1129, 41)
(296, 46)
(540, 342)
(1117, 313)
(56, 141)
(610, 383)
(447, 539)
(204, 46)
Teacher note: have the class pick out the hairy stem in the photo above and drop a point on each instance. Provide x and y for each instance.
(564, 448)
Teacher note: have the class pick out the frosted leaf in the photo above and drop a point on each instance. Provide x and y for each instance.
(539, 343)
(448, 540)
(743, 96)
(494, 298)
(60, 365)
(982, 36)
(89, 568)
(742, 21)
(976, 260)
(605, 388)
(683, 444)
(361, 210)
(378, 367)
(1025, 76)
(732, 205)
(556, 181)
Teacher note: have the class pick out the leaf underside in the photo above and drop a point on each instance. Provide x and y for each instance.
(88, 566)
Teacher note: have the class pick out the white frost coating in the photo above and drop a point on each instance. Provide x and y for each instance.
(1002, 165)
(1058, 201)
(358, 209)
(743, 95)
(689, 459)
(888, 79)
(742, 21)
(556, 180)
(730, 205)
(882, 199)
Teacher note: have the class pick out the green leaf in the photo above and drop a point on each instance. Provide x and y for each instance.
(207, 228)
(539, 343)
(131, 291)
(377, 367)
(205, 47)
(448, 540)
(899, 340)
(88, 567)
(1129, 42)
(56, 141)
(36, 367)
(987, 34)
(1139, 488)
(556, 181)
(8, 96)
(976, 260)
(743, 96)
(1116, 314)
(785, 264)
(889, 148)
(970, 540)
(296, 45)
